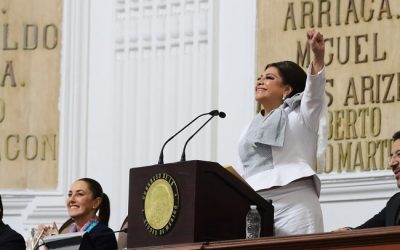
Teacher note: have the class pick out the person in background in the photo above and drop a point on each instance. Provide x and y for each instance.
(85, 199)
(390, 214)
(9, 239)
(278, 149)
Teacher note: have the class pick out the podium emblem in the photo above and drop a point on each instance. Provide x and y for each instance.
(161, 204)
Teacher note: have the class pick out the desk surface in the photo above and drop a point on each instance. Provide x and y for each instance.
(387, 238)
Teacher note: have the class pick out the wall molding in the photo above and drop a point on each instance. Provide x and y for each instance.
(357, 186)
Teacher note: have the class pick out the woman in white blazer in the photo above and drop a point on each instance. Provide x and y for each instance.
(278, 149)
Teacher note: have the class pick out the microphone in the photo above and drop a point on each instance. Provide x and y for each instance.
(220, 114)
(161, 157)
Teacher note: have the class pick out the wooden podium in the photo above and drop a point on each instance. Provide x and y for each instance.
(208, 204)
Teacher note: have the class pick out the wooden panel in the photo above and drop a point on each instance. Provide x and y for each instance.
(375, 238)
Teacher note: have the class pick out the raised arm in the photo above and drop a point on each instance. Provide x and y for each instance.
(313, 98)
(317, 45)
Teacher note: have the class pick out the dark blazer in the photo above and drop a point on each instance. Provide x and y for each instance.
(100, 237)
(387, 216)
(9, 239)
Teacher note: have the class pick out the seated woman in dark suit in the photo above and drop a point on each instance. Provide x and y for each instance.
(85, 198)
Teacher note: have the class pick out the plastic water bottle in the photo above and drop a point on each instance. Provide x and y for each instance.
(253, 223)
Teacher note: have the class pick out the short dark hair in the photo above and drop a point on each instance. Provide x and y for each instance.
(396, 136)
(292, 75)
(1, 209)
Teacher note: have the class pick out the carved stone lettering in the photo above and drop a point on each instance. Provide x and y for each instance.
(361, 59)
(29, 93)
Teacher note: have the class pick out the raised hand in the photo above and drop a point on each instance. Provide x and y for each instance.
(316, 41)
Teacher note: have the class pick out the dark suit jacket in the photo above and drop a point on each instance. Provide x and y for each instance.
(100, 237)
(9, 239)
(387, 216)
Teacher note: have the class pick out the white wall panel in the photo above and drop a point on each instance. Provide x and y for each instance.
(163, 66)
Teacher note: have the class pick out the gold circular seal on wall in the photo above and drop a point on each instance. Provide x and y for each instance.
(161, 203)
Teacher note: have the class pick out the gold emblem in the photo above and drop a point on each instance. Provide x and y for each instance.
(161, 203)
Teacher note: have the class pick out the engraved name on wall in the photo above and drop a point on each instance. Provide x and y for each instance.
(363, 74)
(29, 92)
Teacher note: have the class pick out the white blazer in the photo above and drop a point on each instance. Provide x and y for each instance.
(297, 157)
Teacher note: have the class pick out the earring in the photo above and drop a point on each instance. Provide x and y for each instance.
(283, 98)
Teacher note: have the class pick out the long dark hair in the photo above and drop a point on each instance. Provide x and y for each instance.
(97, 190)
(292, 74)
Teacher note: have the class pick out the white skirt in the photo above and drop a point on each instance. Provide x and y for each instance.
(297, 208)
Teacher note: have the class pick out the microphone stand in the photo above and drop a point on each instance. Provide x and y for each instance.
(220, 114)
(161, 157)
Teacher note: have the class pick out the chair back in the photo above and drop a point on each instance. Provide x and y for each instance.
(66, 227)
(123, 236)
